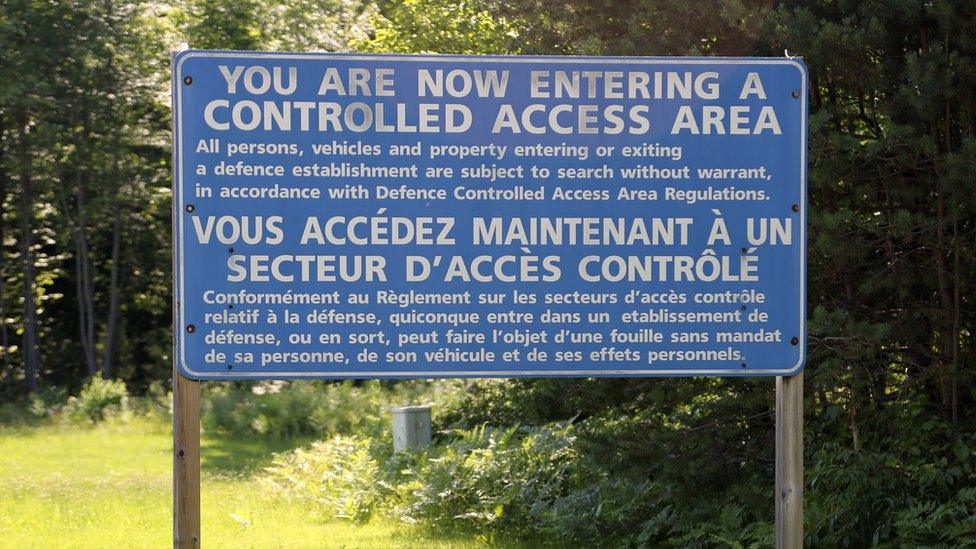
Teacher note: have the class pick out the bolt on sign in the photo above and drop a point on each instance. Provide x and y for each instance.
(370, 216)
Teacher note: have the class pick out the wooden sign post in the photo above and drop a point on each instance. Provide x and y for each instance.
(789, 462)
(186, 436)
(186, 462)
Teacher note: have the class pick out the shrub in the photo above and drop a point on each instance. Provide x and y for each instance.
(951, 524)
(863, 497)
(538, 483)
(338, 478)
(487, 478)
(269, 408)
(629, 511)
(99, 399)
(312, 409)
(724, 525)
(629, 478)
(46, 403)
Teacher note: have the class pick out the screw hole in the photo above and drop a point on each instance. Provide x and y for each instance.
(794, 341)
(187, 80)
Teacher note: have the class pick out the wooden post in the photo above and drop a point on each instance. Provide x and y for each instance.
(186, 423)
(789, 462)
(186, 462)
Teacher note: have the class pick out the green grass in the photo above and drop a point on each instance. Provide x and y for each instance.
(110, 486)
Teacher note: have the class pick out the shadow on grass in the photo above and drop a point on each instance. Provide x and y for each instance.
(242, 456)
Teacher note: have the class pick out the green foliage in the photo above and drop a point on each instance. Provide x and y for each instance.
(526, 482)
(225, 24)
(439, 26)
(881, 496)
(337, 478)
(99, 399)
(290, 25)
(725, 526)
(493, 478)
(636, 27)
(36, 407)
(629, 511)
(639, 477)
(290, 409)
(82, 155)
(950, 524)
(315, 25)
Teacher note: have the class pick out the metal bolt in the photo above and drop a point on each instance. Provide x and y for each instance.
(230, 367)
(744, 250)
(230, 250)
(794, 341)
(190, 208)
(231, 306)
(795, 207)
(187, 80)
(796, 94)
(743, 364)
(191, 328)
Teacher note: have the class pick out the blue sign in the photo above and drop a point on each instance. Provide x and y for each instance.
(369, 216)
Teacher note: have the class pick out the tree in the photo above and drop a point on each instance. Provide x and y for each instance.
(892, 164)
(435, 26)
(81, 124)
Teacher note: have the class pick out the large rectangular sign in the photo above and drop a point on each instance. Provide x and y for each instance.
(354, 216)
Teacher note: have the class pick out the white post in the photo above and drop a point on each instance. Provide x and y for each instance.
(411, 427)
(789, 462)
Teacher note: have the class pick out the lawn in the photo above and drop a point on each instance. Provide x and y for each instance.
(110, 486)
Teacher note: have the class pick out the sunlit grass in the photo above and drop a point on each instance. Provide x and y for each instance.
(110, 486)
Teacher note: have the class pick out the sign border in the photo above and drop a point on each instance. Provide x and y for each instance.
(178, 206)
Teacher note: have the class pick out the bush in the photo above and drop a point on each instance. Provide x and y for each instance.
(99, 399)
(338, 478)
(312, 408)
(866, 497)
(698, 476)
(950, 524)
(487, 478)
(629, 511)
(547, 483)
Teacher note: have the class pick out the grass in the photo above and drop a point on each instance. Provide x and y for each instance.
(110, 486)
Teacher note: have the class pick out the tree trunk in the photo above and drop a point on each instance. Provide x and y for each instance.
(32, 363)
(84, 288)
(111, 324)
(946, 373)
(4, 335)
(85, 297)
